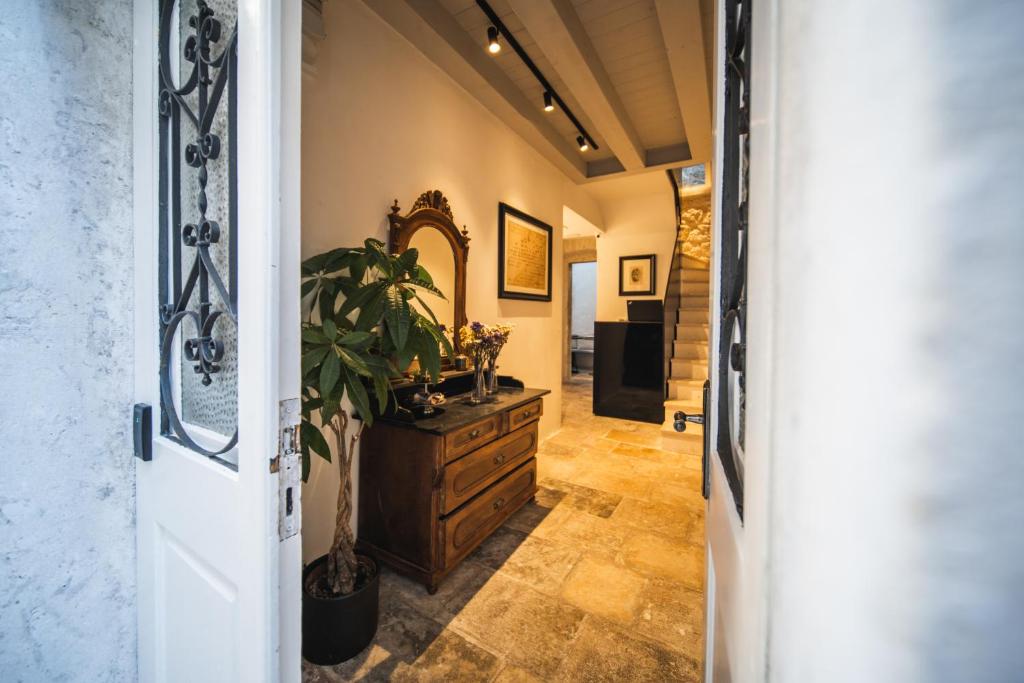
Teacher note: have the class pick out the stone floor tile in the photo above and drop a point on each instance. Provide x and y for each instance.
(673, 614)
(636, 438)
(585, 499)
(596, 536)
(542, 564)
(614, 480)
(673, 520)
(606, 652)
(604, 589)
(658, 555)
(539, 520)
(513, 674)
(450, 657)
(530, 630)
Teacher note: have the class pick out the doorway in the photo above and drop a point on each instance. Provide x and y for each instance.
(582, 311)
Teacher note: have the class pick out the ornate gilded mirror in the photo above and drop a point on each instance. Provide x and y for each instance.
(443, 250)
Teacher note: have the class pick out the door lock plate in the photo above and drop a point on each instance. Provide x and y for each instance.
(287, 464)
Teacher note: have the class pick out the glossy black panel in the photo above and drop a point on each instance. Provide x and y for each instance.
(629, 377)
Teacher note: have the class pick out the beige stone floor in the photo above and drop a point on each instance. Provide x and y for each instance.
(600, 579)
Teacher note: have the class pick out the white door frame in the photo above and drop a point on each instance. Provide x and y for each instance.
(264, 635)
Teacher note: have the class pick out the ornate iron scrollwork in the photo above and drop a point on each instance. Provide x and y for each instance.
(211, 74)
(732, 343)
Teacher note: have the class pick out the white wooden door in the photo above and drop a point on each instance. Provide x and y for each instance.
(739, 407)
(214, 281)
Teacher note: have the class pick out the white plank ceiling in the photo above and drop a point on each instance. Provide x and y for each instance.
(631, 80)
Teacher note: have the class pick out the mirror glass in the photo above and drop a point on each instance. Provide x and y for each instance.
(436, 255)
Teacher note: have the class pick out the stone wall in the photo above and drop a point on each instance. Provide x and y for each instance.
(67, 508)
(696, 224)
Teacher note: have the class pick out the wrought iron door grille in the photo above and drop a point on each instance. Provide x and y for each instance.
(732, 343)
(187, 114)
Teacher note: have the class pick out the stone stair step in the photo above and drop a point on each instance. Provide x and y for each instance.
(686, 390)
(692, 316)
(700, 302)
(692, 332)
(690, 350)
(689, 369)
(700, 289)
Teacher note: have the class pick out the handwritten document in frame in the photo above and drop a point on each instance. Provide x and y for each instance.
(524, 256)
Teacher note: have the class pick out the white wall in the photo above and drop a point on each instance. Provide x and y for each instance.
(381, 122)
(67, 510)
(639, 218)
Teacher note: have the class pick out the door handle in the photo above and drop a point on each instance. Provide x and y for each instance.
(680, 419)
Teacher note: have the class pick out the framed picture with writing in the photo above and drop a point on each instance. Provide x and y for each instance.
(636, 275)
(524, 256)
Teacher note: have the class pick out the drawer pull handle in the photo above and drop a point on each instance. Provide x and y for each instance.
(528, 413)
(475, 433)
(500, 503)
(499, 459)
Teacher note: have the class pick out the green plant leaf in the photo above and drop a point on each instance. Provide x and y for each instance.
(308, 286)
(357, 394)
(429, 286)
(329, 373)
(382, 389)
(311, 436)
(370, 314)
(407, 260)
(439, 337)
(430, 355)
(354, 362)
(397, 316)
(361, 297)
(427, 309)
(330, 329)
(325, 302)
(314, 336)
(357, 339)
(421, 274)
(311, 359)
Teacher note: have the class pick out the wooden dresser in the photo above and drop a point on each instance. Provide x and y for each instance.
(432, 490)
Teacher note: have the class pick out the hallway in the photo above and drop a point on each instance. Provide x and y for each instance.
(600, 579)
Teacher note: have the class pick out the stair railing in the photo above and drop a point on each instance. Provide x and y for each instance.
(674, 284)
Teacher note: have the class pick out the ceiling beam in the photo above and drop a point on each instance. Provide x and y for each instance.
(681, 29)
(560, 35)
(435, 32)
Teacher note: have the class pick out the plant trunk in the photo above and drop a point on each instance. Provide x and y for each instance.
(342, 566)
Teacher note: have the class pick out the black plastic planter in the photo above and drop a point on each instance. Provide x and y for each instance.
(336, 629)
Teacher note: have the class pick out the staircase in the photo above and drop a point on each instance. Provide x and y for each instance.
(688, 367)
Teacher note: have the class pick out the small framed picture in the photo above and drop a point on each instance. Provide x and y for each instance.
(636, 274)
(524, 256)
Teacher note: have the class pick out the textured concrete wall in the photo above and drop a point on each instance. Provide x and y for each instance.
(67, 541)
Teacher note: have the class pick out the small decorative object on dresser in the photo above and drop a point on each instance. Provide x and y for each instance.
(524, 256)
(484, 343)
(637, 274)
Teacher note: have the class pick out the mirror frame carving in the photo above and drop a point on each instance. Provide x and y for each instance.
(431, 210)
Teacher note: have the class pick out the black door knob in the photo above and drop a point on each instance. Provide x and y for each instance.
(680, 419)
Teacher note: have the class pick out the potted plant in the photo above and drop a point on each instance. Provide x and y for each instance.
(360, 327)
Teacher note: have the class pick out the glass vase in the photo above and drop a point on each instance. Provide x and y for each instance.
(479, 391)
(492, 376)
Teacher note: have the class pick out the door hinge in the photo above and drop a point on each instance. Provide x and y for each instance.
(288, 466)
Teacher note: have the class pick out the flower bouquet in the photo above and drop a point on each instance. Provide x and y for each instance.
(483, 343)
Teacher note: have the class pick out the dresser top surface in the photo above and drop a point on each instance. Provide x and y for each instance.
(457, 413)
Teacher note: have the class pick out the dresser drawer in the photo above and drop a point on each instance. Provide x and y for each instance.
(467, 528)
(467, 476)
(525, 414)
(471, 437)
